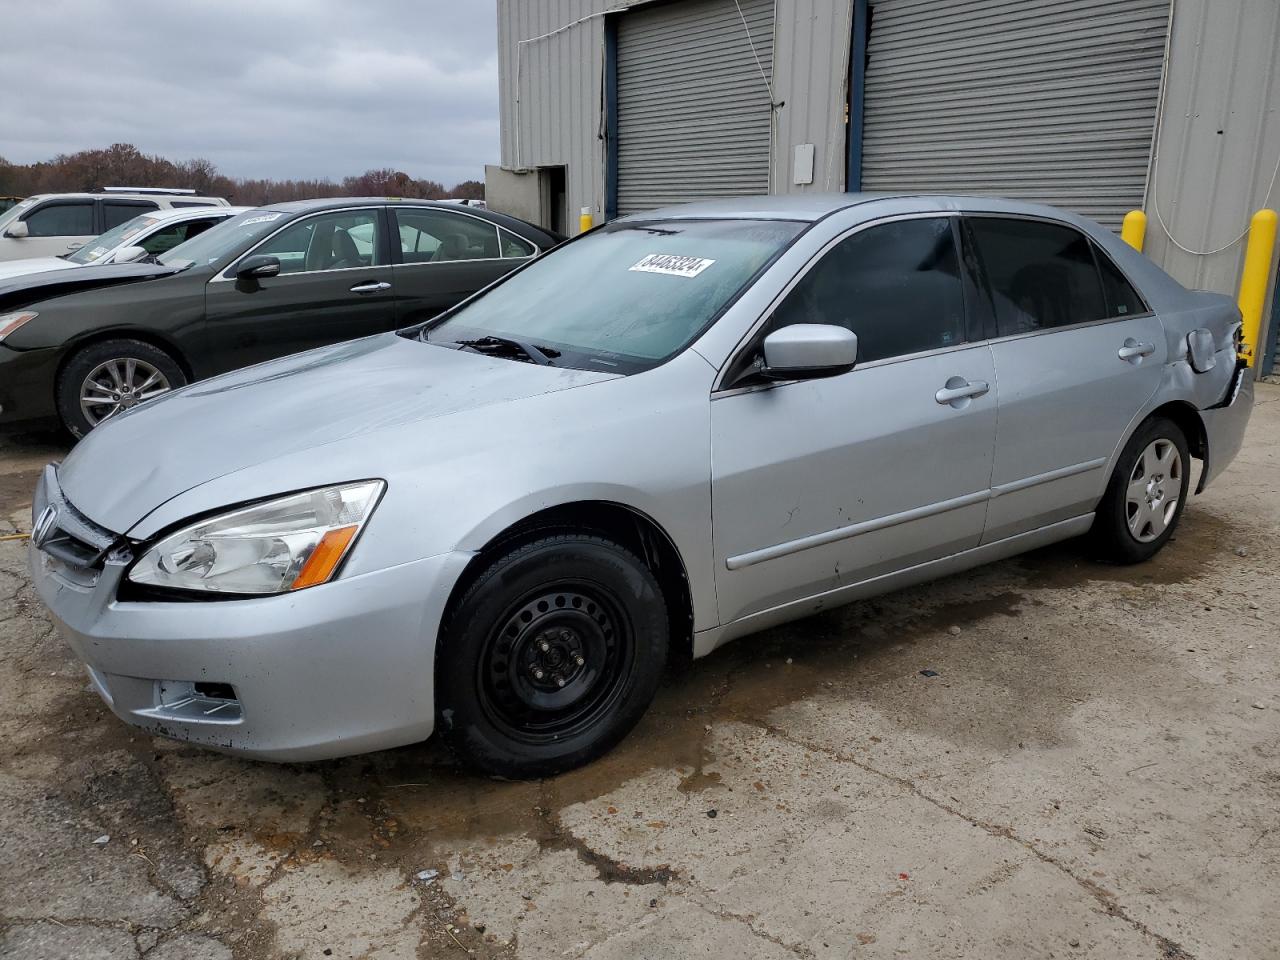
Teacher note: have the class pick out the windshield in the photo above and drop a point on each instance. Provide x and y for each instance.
(221, 242)
(626, 297)
(99, 247)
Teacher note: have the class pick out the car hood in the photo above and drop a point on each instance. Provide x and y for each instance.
(132, 464)
(19, 268)
(29, 288)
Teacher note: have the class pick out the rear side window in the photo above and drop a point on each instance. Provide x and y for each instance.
(1041, 275)
(62, 220)
(116, 212)
(435, 236)
(1122, 299)
(897, 286)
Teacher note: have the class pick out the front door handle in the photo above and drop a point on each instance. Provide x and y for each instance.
(1134, 350)
(957, 390)
(373, 286)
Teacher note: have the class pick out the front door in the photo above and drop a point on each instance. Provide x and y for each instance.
(1078, 355)
(820, 484)
(335, 284)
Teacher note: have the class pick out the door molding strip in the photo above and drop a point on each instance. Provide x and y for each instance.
(1013, 486)
(906, 516)
(854, 529)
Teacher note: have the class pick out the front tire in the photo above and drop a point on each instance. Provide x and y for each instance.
(1146, 495)
(104, 379)
(551, 656)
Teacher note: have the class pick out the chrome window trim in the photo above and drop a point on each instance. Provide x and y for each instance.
(225, 276)
(718, 389)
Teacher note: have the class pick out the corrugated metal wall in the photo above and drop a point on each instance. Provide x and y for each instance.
(1045, 100)
(1219, 138)
(561, 97)
(810, 80)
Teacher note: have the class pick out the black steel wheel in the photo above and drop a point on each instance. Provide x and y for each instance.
(551, 656)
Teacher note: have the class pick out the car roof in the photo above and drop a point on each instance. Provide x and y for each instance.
(814, 206)
(329, 203)
(122, 195)
(184, 213)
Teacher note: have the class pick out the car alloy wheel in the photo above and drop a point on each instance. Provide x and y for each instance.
(1154, 489)
(118, 384)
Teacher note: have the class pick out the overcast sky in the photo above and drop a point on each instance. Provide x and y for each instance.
(263, 88)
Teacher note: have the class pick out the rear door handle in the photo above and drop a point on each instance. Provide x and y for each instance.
(374, 286)
(1132, 349)
(958, 389)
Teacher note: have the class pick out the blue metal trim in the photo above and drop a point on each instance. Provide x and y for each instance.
(1273, 341)
(857, 75)
(610, 117)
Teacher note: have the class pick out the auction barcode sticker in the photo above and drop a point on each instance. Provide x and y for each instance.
(673, 265)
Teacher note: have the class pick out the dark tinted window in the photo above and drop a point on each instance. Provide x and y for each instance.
(1122, 299)
(116, 212)
(896, 286)
(165, 240)
(1041, 274)
(62, 220)
(191, 203)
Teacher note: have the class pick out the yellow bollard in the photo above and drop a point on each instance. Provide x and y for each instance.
(584, 220)
(1134, 230)
(1254, 279)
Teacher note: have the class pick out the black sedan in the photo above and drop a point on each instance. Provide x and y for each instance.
(266, 283)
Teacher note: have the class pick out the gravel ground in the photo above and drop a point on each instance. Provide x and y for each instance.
(1093, 772)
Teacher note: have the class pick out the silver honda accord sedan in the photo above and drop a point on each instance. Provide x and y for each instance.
(680, 428)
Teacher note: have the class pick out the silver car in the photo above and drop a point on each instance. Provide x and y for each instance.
(677, 429)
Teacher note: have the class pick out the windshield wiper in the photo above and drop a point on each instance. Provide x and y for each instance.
(508, 345)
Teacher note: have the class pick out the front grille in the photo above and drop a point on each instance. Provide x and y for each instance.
(63, 532)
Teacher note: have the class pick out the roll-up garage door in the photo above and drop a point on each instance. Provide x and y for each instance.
(1045, 100)
(693, 106)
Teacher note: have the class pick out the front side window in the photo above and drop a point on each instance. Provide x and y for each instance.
(330, 241)
(626, 296)
(433, 236)
(162, 241)
(1041, 275)
(61, 220)
(896, 285)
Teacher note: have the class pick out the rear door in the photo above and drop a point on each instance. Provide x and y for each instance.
(821, 484)
(442, 257)
(1078, 354)
(335, 284)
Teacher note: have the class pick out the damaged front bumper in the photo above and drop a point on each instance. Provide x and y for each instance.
(342, 668)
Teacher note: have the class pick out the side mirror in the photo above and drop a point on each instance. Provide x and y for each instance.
(130, 255)
(804, 350)
(257, 267)
(17, 230)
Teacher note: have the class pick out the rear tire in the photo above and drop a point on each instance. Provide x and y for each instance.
(1146, 495)
(551, 656)
(103, 379)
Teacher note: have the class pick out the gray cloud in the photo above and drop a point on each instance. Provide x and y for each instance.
(263, 88)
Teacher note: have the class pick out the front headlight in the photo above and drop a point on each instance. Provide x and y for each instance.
(274, 547)
(10, 322)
